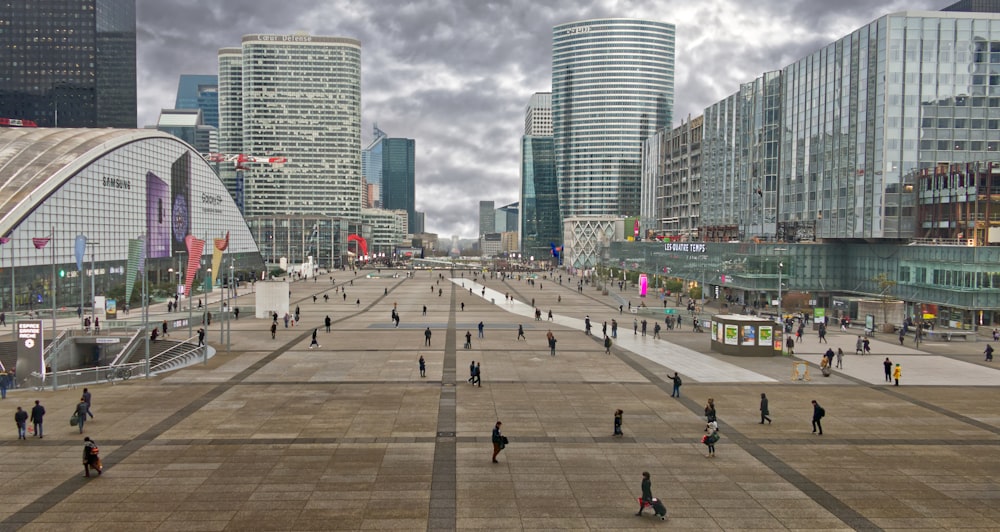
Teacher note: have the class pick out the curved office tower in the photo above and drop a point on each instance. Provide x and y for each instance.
(612, 86)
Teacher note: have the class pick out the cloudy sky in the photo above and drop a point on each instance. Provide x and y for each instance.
(456, 74)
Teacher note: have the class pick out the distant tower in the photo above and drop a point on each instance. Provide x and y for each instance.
(540, 224)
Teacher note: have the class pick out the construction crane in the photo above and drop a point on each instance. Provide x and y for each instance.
(241, 159)
(16, 122)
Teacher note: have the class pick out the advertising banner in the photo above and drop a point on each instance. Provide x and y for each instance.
(732, 334)
(749, 334)
(30, 348)
(765, 335)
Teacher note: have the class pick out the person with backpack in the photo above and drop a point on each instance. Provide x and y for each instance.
(677, 385)
(710, 411)
(607, 345)
(818, 413)
(989, 353)
(712, 436)
(498, 441)
(764, 411)
(91, 457)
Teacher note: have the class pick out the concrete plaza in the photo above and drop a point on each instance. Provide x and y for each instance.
(277, 436)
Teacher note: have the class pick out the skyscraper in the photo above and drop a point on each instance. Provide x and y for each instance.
(68, 63)
(398, 190)
(299, 97)
(612, 86)
(487, 218)
(540, 225)
(199, 91)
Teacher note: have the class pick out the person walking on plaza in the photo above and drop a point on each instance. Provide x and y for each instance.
(887, 366)
(822, 333)
(989, 353)
(201, 336)
(656, 330)
(647, 492)
(550, 315)
(468, 339)
(764, 411)
(480, 327)
(677, 385)
(635, 326)
(91, 457)
(21, 420)
(314, 342)
(644, 323)
(520, 333)
(164, 327)
(427, 336)
(423, 366)
(614, 328)
(818, 413)
(477, 376)
(37, 414)
(81, 414)
(87, 398)
(840, 358)
(618, 422)
(897, 374)
(902, 335)
(274, 329)
(551, 338)
(327, 321)
(711, 437)
(498, 441)
(607, 345)
(710, 411)
(586, 325)
(867, 346)
(859, 346)
(4, 383)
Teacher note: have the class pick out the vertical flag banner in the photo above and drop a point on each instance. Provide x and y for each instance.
(220, 245)
(195, 248)
(40, 243)
(136, 255)
(80, 249)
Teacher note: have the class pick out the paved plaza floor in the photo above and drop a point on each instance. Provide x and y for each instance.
(274, 435)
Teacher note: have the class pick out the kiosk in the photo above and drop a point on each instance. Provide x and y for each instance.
(748, 336)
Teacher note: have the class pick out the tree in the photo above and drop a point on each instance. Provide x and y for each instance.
(885, 285)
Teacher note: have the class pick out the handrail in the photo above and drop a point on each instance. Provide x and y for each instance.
(161, 363)
(129, 348)
(54, 346)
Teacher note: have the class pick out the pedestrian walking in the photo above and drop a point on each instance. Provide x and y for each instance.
(710, 411)
(424, 311)
(520, 333)
(87, 398)
(644, 327)
(822, 333)
(427, 336)
(614, 328)
(4, 383)
(635, 326)
(201, 336)
(552, 342)
(274, 329)
(3, 319)
(618, 423)
(586, 325)
(91, 457)
(897, 374)
(818, 413)
(647, 493)
(468, 339)
(607, 345)
(902, 335)
(477, 376)
(480, 327)
(677, 385)
(550, 315)
(423, 366)
(867, 346)
(764, 411)
(314, 342)
(656, 330)
(37, 415)
(499, 441)
(989, 353)
(472, 371)
(81, 414)
(887, 366)
(604, 329)
(859, 346)
(327, 322)
(21, 420)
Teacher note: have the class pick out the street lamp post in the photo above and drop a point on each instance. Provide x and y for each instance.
(93, 272)
(781, 318)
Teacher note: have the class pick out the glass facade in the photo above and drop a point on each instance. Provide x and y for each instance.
(199, 91)
(398, 188)
(69, 63)
(144, 184)
(540, 225)
(295, 238)
(612, 86)
(300, 98)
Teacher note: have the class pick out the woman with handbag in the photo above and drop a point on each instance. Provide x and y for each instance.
(499, 441)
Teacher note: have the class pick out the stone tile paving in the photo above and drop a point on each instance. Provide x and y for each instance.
(276, 436)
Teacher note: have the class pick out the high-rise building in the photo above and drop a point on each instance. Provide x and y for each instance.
(507, 218)
(539, 225)
(671, 180)
(979, 6)
(538, 115)
(487, 218)
(612, 86)
(188, 125)
(398, 189)
(69, 63)
(371, 161)
(299, 97)
(199, 91)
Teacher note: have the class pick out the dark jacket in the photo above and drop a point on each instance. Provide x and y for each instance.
(818, 412)
(497, 438)
(89, 455)
(20, 417)
(37, 413)
(763, 406)
(647, 490)
(81, 409)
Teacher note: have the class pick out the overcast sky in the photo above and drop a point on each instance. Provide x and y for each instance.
(456, 75)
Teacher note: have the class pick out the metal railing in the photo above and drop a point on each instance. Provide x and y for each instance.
(129, 348)
(177, 352)
(76, 377)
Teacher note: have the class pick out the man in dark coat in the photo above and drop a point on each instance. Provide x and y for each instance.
(647, 491)
(37, 413)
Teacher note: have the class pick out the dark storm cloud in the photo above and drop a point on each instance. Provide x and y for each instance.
(456, 75)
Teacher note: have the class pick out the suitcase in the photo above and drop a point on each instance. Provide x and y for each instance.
(659, 509)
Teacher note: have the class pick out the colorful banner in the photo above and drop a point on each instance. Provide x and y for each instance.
(136, 255)
(195, 248)
(732, 334)
(80, 249)
(766, 337)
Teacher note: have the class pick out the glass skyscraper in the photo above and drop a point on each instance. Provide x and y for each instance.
(299, 97)
(68, 63)
(612, 86)
(199, 91)
(398, 190)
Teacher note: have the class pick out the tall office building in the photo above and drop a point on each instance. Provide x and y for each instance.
(612, 86)
(299, 97)
(540, 225)
(487, 218)
(371, 160)
(199, 91)
(538, 115)
(398, 188)
(68, 63)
